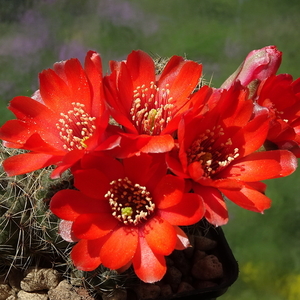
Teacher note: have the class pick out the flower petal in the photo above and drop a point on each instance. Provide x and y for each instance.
(187, 212)
(182, 239)
(120, 247)
(92, 183)
(253, 135)
(85, 254)
(248, 198)
(181, 78)
(160, 235)
(93, 226)
(148, 266)
(68, 161)
(158, 144)
(262, 165)
(93, 68)
(141, 67)
(215, 208)
(169, 191)
(28, 162)
(70, 204)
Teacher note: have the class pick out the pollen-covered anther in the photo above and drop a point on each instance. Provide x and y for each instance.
(152, 108)
(130, 203)
(75, 127)
(210, 152)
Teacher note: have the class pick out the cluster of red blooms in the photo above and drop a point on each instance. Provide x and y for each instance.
(151, 152)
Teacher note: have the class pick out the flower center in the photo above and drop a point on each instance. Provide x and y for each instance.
(151, 109)
(131, 203)
(75, 127)
(212, 151)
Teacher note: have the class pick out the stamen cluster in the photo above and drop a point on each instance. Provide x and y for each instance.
(75, 127)
(210, 152)
(152, 108)
(131, 203)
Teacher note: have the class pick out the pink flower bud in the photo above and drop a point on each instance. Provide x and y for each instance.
(258, 65)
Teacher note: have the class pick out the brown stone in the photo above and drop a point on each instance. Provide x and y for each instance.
(181, 262)
(202, 284)
(63, 291)
(185, 287)
(189, 251)
(208, 268)
(5, 291)
(40, 279)
(204, 243)
(22, 295)
(166, 290)
(173, 277)
(198, 255)
(147, 291)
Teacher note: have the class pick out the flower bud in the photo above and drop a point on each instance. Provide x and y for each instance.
(258, 65)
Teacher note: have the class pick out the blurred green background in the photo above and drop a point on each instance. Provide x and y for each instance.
(218, 33)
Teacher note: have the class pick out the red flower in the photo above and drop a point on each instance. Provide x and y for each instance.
(217, 152)
(281, 96)
(126, 213)
(149, 106)
(62, 121)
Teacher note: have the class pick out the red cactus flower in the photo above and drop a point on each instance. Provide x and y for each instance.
(149, 106)
(217, 152)
(281, 96)
(63, 120)
(126, 213)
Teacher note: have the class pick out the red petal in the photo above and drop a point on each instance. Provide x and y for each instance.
(85, 254)
(93, 67)
(92, 183)
(187, 212)
(28, 162)
(93, 226)
(158, 144)
(182, 80)
(68, 161)
(160, 235)
(215, 208)
(69, 204)
(78, 83)
(195, 170)
(141, 67)
(110, 166)
(248, 198)
(120, 247)
(261, 165)
(15, 131)
(168, 192)
(175, 165)
(170, 68)
(54, 91)
(182, 239)
(252, 136)
(36, 143)
(149, 267)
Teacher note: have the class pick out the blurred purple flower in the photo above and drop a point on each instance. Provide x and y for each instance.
(30, 39)
(124, 13)
(72, 49)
